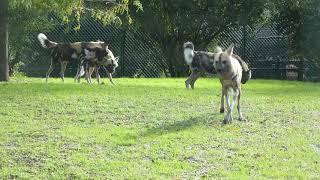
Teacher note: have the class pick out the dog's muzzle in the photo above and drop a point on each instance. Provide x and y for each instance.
(111, 68)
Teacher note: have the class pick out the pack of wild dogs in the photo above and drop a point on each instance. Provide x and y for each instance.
(91, 56)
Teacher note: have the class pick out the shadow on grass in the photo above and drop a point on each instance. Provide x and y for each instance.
(210, 121)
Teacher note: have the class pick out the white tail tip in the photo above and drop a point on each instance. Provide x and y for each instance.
(42, 37)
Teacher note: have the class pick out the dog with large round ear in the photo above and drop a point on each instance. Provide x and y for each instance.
(230, 73)
(224, 61)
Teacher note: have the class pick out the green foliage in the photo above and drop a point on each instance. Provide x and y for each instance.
(172, 22)
(156, 129)
(26, 16)
(300, 21)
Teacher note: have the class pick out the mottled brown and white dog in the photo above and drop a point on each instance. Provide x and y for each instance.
(198, 61)
(109, 63)
(232, 71)
(64, 53)
(230, 68)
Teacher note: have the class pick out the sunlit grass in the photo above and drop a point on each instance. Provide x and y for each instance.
(155, 128)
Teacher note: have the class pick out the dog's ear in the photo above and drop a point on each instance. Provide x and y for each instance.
(218, 49)
(230, 50)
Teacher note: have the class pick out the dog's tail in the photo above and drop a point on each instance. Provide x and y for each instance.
(188, 51)
(246, 72)
(246, 75)
(45, 42)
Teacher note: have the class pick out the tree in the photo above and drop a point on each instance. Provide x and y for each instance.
(4, 73)
(27, 16)
(299, 20)
(173, 22)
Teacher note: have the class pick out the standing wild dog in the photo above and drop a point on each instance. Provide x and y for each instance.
(64, 53)
(198, 61)
(109, 63)
(232, 71)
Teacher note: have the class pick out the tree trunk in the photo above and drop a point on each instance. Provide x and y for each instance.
(4, 68)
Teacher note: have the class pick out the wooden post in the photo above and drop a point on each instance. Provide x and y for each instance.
(4, 67)
(122, 51)
(301, 70)
(277, 69)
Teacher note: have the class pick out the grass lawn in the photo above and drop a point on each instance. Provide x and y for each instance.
(155, 128)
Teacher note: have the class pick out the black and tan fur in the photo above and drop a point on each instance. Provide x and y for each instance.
(64, 53)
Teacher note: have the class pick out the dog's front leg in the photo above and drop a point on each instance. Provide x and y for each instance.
(97, 74)
(223, 92)
(63, 69)
(91, 69)
(240, 118)
(80, 72)
(87, 75)
(228, 117)
(110, 78)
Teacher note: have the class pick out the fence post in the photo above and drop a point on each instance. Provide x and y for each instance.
(244, 41)
(122, 50)
(278, 70)
(4, 43)
(301, 70)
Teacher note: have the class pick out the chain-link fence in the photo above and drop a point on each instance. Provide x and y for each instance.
(266, 51)
(139, 55)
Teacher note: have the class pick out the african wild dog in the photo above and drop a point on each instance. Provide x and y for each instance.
(198, 61)
(64, 53)
(232, 71)
(109, 63)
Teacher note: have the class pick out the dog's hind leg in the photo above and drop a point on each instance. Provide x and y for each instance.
(97, 73)
(49, 71)
(63, 69)
(192, 79)
(195, 77)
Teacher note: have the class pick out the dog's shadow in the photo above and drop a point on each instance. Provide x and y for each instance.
(180, 125)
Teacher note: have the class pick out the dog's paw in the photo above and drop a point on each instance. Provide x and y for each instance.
(241, 118)
(225, 121)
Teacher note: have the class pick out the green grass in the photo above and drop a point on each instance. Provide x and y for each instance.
(155, 128)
